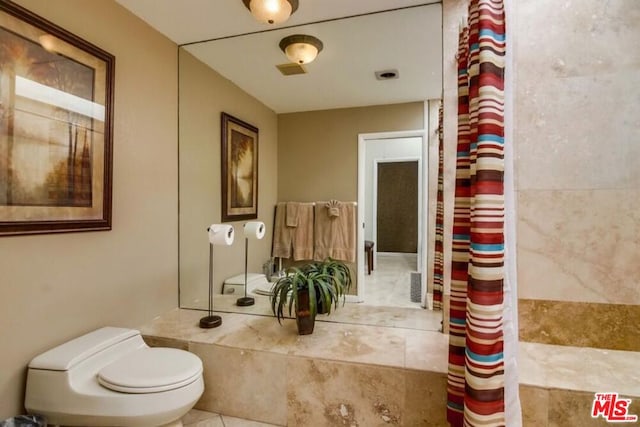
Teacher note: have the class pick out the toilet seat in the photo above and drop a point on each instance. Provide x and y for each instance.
(151, 370)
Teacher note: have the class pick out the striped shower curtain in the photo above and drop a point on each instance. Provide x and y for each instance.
(438, 250)
(476, 361)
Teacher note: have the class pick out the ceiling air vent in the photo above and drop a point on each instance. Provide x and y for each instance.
(290, 69)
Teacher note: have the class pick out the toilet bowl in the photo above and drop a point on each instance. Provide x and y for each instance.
(110, 377)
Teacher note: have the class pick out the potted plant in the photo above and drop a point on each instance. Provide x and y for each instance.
(311, 289)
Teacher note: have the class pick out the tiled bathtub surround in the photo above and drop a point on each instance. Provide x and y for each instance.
(579, 368)
(607, 326)
(328, 393)
(558, 383)
(257, 369)
(576, 133)
(550, 407)
(540, 408)
(372, 375)
(377, 345)
(579, 245)
(588, 59)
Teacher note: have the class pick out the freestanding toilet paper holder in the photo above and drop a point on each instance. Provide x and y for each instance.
(211, 320)
(252, 230)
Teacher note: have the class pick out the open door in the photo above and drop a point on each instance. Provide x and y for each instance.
(391, 154)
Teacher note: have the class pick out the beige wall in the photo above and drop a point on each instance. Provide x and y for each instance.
(55, 287)
(204, 94)
(318, 150)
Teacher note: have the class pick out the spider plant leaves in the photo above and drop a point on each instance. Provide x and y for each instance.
(325, 283)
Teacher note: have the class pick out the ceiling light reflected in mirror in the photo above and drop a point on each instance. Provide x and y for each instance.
(301, 48)
(342, 74)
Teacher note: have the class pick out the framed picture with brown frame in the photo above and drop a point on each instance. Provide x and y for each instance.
(239, 169)
(56, 109)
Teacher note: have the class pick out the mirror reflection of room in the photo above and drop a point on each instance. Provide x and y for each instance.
(391, 245)
(315, 131)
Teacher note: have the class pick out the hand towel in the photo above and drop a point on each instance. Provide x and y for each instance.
(334, 208)
(281, 233)
(303, 234)
(292, 214)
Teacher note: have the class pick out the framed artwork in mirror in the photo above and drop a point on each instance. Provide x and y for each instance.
(56, 108)
(239, 169)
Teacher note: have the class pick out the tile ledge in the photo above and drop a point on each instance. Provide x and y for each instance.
(583, 369)
(180, 327)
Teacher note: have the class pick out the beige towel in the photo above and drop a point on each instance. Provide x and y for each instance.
(292, 214)
(335, 236)
(281, 234)
(334, 208)
(293, 241)
(303, 233)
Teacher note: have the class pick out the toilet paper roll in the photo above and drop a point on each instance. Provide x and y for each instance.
(221, 234)
(254, 230)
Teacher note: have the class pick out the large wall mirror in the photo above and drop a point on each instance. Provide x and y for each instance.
(333, 132)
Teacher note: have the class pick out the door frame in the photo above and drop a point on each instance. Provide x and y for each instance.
(423, 206)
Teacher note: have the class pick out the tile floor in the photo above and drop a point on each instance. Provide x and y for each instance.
(197, 418)
(389, 283)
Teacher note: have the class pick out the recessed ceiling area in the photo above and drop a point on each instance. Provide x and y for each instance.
(407, 39)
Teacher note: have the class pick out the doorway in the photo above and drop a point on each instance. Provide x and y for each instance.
(391, 180)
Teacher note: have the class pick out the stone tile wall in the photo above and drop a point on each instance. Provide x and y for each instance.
(607, 326)
(373, 375)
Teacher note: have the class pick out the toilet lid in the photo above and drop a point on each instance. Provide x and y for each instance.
(150, 370)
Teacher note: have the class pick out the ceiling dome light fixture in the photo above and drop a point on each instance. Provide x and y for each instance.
(271, 11)
(301, 48)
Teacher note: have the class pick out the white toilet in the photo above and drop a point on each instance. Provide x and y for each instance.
(110, 377)
(257, 284)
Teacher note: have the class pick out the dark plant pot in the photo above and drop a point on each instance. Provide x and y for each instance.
(304, 319)
(319, 304)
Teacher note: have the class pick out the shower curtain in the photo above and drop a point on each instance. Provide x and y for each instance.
(476, 379)
(438, 259)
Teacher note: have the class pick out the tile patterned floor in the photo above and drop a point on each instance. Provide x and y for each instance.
(389, 284)
(197, 418)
